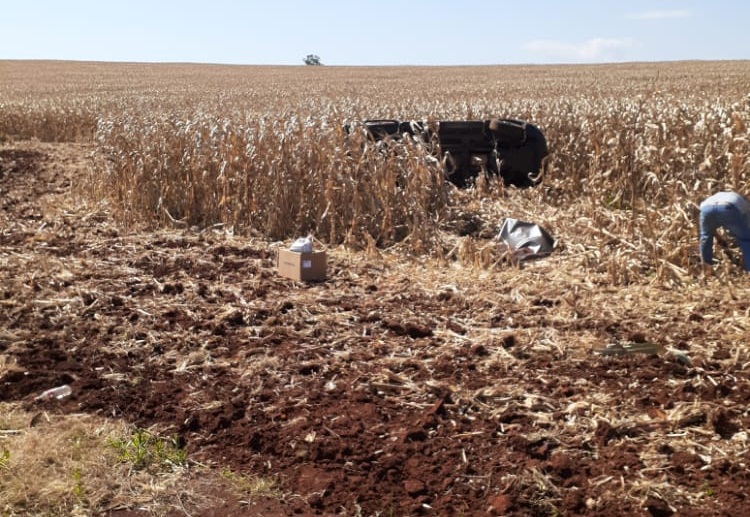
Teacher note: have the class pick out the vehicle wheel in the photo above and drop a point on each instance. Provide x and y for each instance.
(382, 128)
(508, 133)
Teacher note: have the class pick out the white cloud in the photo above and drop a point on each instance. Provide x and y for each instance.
(601, 50)
(659, 15)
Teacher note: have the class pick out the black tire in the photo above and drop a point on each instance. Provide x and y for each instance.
(380, 129)
(508, 132)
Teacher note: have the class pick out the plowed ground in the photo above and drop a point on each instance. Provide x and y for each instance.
(385, 390)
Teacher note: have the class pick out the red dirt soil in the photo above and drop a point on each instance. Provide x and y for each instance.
(345, 390)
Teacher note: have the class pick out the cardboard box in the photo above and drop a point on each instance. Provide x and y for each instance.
(302, 266)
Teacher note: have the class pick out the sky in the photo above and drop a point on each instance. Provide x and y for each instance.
(375, 33)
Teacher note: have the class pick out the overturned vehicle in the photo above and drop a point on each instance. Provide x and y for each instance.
(512, 149)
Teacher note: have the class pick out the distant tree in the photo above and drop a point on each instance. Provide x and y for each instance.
(312, 60)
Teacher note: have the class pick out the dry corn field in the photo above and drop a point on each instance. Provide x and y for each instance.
(429, 374)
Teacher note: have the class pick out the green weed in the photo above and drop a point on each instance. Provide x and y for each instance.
(144, 449)
(78, 489)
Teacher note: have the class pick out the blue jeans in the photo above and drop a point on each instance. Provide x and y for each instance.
(726, 216)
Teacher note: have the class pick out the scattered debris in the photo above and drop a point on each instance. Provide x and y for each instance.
(525, 240)
(642, 348)
(59, 392)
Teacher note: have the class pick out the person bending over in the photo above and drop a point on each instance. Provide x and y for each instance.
(730, 211)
